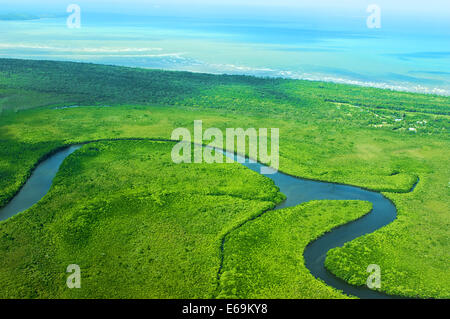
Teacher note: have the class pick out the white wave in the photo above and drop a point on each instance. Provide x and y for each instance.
(77, 50)
(404, 87)
(240, 68)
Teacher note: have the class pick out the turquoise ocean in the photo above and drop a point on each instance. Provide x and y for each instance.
(404, 54)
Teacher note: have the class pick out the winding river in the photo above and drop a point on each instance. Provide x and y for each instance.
(297, 191)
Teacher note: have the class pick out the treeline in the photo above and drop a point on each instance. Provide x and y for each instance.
(60, 83)
(90, 84)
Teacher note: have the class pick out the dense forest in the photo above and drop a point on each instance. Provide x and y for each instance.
(376, 139)
(47, 82)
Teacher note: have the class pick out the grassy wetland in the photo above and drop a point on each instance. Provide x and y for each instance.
(141, 226)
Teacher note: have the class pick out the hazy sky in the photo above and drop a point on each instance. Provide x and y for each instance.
(404, 7)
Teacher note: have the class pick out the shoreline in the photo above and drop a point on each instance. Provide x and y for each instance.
(385, 87)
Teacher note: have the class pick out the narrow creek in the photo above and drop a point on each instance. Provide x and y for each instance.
(297, 191)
